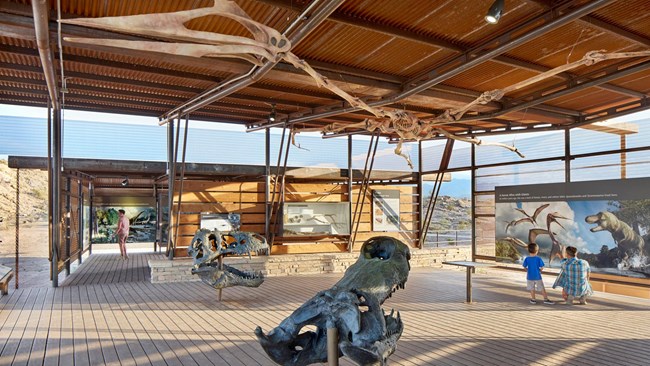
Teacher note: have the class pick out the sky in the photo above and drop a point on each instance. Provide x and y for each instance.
(125, 137)
(233, 141)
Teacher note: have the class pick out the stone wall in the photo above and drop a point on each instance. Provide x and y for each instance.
(178, 270)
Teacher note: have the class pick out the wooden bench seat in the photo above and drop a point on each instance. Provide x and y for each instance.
(6, 274)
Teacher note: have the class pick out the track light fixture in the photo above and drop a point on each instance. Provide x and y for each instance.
(494, 13)
(125, 182)
(272, 115)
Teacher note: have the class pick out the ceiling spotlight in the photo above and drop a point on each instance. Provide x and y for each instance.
(125, 182)
(272, 115)
(494, 14)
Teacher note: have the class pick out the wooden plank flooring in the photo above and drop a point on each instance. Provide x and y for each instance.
(108, 313)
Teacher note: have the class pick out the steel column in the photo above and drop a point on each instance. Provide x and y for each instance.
(473, 195)
(623, 157)
(182, 177)
(267, 184)
(365, 182)
(80, 217)
(567, 155)
(350, 182)
(91, 224)
(67, 221)
(420, 196)
(17, 225)
(57, 166)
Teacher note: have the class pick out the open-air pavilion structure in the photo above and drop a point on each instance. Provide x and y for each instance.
(524, 101)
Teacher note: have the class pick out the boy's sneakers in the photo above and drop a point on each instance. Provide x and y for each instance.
(533, 301)
(549, 302)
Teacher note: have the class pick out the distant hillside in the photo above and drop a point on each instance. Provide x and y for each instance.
(451, 213)
(33, 195)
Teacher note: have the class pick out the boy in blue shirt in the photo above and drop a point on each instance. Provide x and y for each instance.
(534, 266)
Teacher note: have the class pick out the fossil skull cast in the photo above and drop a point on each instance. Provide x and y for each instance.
(353, 305)
(208, 246)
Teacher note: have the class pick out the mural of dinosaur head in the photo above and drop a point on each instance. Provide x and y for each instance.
(208, 246)
(628, 241)
(367, 335)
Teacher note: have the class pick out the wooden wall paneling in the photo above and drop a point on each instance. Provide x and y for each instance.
(248, 200)
(210, 186)
(220, 197)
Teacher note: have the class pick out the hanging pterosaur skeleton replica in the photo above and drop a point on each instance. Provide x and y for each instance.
(268, 44)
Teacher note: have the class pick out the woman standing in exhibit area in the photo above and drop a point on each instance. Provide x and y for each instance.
(122, 232)
(574, 277)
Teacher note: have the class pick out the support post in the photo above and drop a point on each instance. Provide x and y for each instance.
(267, 186)
(350, 181)
(220, 263)
(17, 225)
(80, 216)
(56, 194)
(623, 156)
(171, 177)
(420, 197)
(469, 284)
(182, 177)
(91, 224)
(473, 195)
(567, 155)
(68, 220)
(332, 346)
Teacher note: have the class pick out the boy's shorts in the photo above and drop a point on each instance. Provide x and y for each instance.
(534, 285)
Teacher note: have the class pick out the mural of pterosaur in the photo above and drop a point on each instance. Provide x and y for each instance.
(519, 244)
(516, 242)
(518, 221)
(538, 210)
(533, 233)
(557, 248)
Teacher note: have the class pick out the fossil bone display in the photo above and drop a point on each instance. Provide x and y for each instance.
(208, 247)
(268, 44)
(353, 306)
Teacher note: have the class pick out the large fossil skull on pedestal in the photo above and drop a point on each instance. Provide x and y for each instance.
(207, 247)
(353, 306)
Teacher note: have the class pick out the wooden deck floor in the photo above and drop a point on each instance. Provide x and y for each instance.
(108, 313)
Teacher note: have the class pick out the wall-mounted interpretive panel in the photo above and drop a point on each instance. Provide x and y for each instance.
(385, 210)
(223, 222)
(608, 222)
(315, 218)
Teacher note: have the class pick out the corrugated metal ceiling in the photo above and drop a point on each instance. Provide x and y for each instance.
(369, 48)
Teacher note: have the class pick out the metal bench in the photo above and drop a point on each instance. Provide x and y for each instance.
(6, 274)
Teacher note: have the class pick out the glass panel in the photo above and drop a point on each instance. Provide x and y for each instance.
(451, 219)
(533, 145)
(431, 154)
(510, 175)
(461, 156)
(637, 165)
(23, 136)
(628, 132)
(485, 234)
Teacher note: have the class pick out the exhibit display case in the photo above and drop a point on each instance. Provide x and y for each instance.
(315, 218)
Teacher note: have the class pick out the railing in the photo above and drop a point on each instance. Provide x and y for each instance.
(443, 238)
